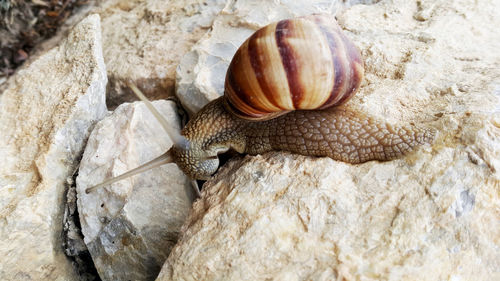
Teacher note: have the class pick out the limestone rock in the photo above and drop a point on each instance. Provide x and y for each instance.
(145, 40)
(130, 226)
(46, 114)
(289, 217)
(432, 215)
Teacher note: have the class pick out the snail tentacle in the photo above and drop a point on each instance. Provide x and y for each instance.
(172, 133)
(159, 161)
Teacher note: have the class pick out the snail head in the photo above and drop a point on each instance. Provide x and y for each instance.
(196, 162)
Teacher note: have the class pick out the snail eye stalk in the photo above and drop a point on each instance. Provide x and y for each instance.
(176, 137)
(163, 159)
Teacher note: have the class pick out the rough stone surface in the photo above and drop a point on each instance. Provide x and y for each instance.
(46, 114)
(433, 215)
(289, 217)
(130, 226)
(144, 41)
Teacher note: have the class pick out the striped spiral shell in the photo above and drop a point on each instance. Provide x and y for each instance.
(302, 63)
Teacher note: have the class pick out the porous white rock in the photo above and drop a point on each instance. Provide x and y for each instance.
(130, 226)
(289, 217)
(432, 215)
(46, 114)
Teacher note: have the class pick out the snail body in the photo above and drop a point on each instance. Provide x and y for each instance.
(282, 92)
(339, 133)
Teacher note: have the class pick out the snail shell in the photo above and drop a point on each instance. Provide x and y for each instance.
(301, 63)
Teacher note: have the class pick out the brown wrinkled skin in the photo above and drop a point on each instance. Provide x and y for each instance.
(337, 133)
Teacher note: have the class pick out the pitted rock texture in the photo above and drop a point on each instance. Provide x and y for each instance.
(288, 217)
(46, 115)
(130, 226)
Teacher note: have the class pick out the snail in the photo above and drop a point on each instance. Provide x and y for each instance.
(282, 92)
